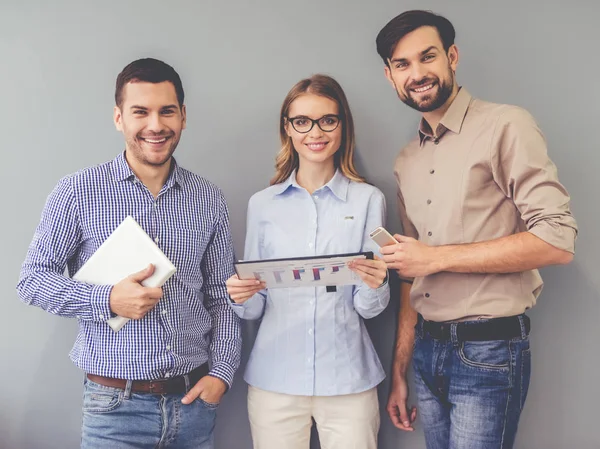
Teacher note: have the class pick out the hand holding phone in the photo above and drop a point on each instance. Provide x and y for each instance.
(382, 237)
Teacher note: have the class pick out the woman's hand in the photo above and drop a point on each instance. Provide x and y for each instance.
(240, 290)
(372, 272)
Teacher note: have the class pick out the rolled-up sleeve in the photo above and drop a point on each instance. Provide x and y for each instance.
(523, 170)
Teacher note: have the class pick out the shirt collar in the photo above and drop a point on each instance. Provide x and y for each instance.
(453, 118)
(338, 185)
(122, 171)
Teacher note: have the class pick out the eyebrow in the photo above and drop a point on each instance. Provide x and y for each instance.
(422, 53)
(169, 106)
(306, 116)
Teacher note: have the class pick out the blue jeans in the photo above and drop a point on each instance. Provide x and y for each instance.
(470, 394)
(118, 419)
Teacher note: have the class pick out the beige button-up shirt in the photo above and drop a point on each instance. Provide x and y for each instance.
(486, 175)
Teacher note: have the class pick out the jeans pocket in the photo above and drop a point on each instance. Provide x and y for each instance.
(209, 405)
(486, 355)
(100, 399)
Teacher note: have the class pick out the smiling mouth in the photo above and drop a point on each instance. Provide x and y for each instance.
(422, 89)
(317, 146)
(155, 140)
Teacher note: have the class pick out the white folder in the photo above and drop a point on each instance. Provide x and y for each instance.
(125, 252)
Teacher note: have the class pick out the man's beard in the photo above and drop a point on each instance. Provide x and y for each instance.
(427, 103)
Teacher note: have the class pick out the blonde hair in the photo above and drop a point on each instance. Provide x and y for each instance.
(287, 160)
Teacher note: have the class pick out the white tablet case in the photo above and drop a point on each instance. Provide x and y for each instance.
(126, 251)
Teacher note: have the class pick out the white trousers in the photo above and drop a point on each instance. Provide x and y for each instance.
(283, 421)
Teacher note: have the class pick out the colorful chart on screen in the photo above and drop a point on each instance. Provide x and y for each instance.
(331, 270)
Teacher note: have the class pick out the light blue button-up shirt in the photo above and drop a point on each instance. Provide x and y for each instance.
(313, 342)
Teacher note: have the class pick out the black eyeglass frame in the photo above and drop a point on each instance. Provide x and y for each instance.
(291, 120)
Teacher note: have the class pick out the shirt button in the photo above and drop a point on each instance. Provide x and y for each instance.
(167, 374)
(315, 221)
(164, 312)
(101, 317)
(429, 234)
(168, 347)
(308, 360)
(428, 201)
(156, 239)
(432, 171)
(427, 295)
(310, 245)
(310, 332)
(316, 197)
(311, 302)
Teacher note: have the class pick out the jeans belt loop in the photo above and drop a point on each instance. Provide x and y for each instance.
(127, 391)
(453, 333)
(186, 378)
(523, 329)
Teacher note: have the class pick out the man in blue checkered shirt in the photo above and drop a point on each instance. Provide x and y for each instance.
(158, 381)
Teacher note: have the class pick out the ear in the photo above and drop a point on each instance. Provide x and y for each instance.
(118, 118)
(184, 116)
(453, 57)
(388, 75)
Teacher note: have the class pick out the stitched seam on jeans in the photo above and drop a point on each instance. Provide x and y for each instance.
(210, 405)
(521, 398)
(119, 400)
(464, 358)
(510, 391)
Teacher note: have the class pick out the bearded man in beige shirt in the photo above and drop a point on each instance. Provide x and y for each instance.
(481, 209)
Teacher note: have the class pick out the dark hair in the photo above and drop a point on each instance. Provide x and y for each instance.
(148, 70)
(407, 22)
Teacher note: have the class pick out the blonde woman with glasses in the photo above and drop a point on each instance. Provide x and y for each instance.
(313, 358)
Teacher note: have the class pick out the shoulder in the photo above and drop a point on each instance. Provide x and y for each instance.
(502, 114)
(363, 190)
(264, 196)
(198, 185)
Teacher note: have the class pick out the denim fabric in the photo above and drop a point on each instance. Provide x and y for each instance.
(470, 394)
(117, 419)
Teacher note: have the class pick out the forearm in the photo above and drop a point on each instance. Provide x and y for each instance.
(370, 302)
(226, 340)
(251, 309)
(407, 319)
(62, 296)
(519, 252)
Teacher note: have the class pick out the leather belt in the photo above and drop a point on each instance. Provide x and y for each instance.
(175, 385)
(504, 328)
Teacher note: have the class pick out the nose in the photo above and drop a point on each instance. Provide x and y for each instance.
(418, 72)
(154, 123)
(315, 131)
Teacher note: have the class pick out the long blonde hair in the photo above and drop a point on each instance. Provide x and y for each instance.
(287, 160)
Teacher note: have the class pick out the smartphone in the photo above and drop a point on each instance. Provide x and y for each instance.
(383, 238)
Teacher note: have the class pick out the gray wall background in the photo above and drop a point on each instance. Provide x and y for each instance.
(237, 61)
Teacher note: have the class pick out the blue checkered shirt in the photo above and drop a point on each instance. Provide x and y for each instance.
(192, 323)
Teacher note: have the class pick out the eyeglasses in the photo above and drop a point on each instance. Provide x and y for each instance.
(303, 124)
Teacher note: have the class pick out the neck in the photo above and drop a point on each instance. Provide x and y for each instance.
(433, 118)
(153, 177)
(313, 176)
